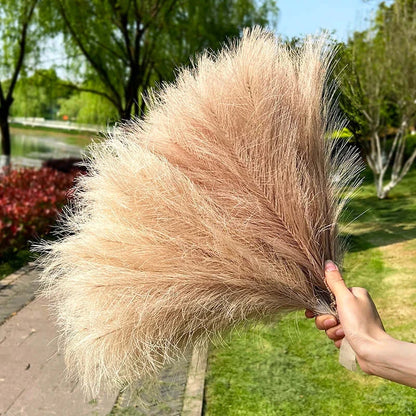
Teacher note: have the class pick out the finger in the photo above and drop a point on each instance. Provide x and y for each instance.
(325, 321)
(335, 333)
(334, 280)
(309, 314)
(338, 343)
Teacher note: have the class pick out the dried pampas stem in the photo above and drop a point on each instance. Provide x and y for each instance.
(219, 207)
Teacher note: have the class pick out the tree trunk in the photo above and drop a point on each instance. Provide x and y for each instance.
(125, 113)
(379, 163)
(382, 192)
(5, 134)
(379, 179)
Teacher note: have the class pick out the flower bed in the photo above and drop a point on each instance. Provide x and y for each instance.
(30, 200)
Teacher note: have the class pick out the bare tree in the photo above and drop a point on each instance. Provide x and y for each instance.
(379, 89)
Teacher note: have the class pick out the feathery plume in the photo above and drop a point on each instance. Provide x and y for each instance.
(219, 207)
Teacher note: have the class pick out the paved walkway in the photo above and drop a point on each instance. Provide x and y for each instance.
(32, 371)
(32, 380)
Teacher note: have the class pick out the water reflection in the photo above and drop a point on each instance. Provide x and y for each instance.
(31, 148)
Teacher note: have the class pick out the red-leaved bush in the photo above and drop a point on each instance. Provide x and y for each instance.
(30, 200)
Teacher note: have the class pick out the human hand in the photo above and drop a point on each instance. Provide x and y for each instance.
(359, 320)
(377, 353)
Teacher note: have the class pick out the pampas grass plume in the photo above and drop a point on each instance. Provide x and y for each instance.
(219, 208)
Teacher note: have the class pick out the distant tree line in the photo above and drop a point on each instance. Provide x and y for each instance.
(117, 49)
(43, 94)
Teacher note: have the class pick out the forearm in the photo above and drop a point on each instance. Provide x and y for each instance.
(394, 360)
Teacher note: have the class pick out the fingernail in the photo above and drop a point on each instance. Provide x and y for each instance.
(329, 323)
(340, 333)
(330, 266)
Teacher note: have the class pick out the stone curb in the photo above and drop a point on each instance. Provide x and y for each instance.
(194, 390)
(17, 290)
(16, 275)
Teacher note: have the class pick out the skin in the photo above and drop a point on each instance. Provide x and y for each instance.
(377, 352)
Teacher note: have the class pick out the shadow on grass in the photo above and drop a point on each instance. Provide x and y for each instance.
(377, 223)
(379, 237)
(399, 209)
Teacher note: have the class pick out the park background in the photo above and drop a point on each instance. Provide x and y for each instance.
(70, 69)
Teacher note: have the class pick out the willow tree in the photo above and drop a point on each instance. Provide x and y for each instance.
(378, 84)
(17, 38)
(128, 45)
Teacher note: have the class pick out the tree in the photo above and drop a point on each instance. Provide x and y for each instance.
(128, 45)
(84, 107)
(38, 95)
(15, 28)
(378, 85)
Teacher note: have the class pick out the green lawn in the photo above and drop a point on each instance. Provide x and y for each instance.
(290, 368)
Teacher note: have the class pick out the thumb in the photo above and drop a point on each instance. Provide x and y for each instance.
(335, 281)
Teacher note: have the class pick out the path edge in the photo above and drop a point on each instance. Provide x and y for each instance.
(7, 280)
(194, 391)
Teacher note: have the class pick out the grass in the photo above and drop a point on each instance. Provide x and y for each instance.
(290, 368)
(14, 261)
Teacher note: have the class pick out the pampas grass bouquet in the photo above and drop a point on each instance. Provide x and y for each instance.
(216, 209)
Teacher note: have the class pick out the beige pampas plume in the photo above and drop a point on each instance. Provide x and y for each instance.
(219, 207)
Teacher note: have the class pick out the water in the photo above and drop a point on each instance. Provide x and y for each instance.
(31, 148)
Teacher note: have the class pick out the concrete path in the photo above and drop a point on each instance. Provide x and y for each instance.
(32, 371)
(32, 380)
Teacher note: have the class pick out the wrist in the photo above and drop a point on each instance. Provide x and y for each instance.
(375, 355)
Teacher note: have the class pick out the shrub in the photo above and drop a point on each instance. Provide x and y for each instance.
(30, 200)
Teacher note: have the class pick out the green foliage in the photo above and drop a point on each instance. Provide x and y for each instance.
(43, 94)
(71, 106)
(290, 368)
(378, 89)
(85, 107)
(18, 38)
(127, 46)
(14, 261)
(14, 16)
(116, 50)
(195, 26)
(378, 82)
(38, 95)
(410, 145)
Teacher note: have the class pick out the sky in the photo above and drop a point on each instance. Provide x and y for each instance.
(301, 17)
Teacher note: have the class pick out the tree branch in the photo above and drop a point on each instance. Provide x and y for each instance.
(100, 71)
(22, 47)
(121, 21)
(93, 91)
(111, 51)
(398, 135)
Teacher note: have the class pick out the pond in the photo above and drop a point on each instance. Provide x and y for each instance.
(32, 147)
